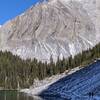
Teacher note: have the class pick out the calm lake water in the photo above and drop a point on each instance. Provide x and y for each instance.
(15, 95)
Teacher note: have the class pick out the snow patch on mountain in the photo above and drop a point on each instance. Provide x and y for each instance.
(72, 49)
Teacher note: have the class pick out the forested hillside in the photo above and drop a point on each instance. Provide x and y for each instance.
(16, 73)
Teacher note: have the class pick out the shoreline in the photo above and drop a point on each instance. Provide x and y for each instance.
(42, 85)
(3, 89)
(35, 91)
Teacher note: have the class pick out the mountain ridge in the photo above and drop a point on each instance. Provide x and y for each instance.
(56, 28)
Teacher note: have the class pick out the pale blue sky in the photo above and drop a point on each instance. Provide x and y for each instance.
(11, 8)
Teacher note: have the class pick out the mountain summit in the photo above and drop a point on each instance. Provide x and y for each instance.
(57, 27)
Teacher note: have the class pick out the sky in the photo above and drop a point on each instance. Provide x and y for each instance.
(12, 8)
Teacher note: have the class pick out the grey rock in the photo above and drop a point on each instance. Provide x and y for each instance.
(57, 27)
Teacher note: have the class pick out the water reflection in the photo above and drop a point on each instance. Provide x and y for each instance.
(47, 98)
(14, 95)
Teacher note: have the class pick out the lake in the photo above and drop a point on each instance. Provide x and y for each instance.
(15, 95)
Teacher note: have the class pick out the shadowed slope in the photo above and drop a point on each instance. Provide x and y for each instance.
(81, 85)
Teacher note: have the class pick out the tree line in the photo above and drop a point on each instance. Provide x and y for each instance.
(16, 73)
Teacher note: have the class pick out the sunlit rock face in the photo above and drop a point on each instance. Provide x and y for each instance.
(57, 27)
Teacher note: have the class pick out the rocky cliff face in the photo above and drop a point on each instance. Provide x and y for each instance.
(57, 28)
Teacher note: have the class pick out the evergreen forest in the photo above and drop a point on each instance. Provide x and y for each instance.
(16, 73)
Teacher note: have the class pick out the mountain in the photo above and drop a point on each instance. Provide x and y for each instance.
(54, 27)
